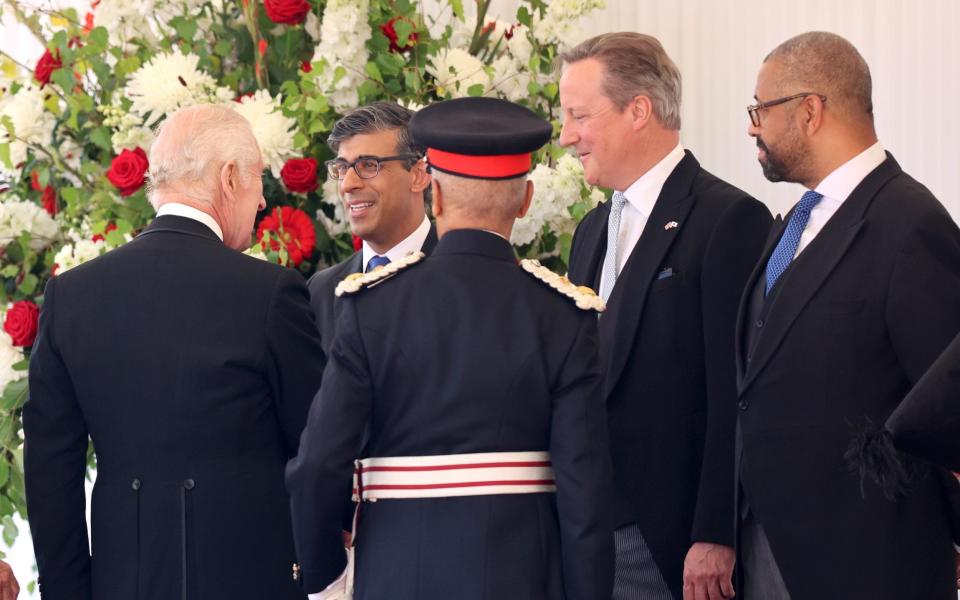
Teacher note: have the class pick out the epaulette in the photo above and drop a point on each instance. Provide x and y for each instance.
(355, 282)
(584, 297)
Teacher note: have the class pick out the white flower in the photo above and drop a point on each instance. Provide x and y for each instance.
(554, 192)
(312, 26)
(559, 24)
(341, 55)
(272, 130)
(9, 356)
(339, 224)
(510, 78)
(32, 124)
(456, 71)
(17, 216)
(171, 81)
(125, 20)
(72, 255)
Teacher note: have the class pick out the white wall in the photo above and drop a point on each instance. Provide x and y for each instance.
(912, 48)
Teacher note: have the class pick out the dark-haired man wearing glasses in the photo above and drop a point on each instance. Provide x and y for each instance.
(382, 183)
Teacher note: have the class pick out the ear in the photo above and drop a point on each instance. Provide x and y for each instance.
(641, 111)
(811, 114)
(229, 179)
(436, 204)
(421, 179)
(528, 198)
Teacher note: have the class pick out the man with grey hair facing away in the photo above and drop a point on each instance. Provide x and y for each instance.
(670, 253)
(854, 297)
(191, 367)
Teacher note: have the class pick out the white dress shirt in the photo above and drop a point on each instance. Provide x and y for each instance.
(182, 210)
(641, 197)
(836, 187)
(412, 243)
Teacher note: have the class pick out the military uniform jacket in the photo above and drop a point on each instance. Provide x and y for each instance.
(850, 326)
(669, 372)
(463, 352)
(191, 367)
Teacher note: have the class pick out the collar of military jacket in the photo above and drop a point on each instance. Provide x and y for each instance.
(475, 241)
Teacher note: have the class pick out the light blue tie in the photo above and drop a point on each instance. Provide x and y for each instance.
(787, 247)
(377, 261)
(610, 267)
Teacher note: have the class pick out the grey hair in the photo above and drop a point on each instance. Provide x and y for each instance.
(825, 63)
(482, 199)
(373, 118)
(211, 135)
(634, 65)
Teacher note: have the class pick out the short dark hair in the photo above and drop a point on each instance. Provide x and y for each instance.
(375, 117)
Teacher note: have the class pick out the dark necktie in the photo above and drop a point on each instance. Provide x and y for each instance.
(377, 261)
(787, 247)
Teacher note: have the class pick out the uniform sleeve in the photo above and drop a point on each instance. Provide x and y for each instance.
(295, 359)
(55, 454)
(732, 252)
(580, 452)
(320, 477)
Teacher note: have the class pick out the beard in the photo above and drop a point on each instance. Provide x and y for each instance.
(785, 162)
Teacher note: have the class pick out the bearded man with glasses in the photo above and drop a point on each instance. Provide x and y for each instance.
(383, 184)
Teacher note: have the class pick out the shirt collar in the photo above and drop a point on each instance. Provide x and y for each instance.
(643, 192)
(412, 243)
(182, 210)
(839, 184)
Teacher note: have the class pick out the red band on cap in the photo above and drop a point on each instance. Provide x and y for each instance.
(487, 167)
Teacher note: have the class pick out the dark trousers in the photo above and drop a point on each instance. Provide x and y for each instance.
(637, 576)
(761, 575)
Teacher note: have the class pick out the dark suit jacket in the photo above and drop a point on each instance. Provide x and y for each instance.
(667, 339)
(191, 367)
(486, 359)
(322, 284)
(856, 320)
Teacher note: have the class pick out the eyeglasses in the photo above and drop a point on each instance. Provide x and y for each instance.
(754, 110)
(366, 167)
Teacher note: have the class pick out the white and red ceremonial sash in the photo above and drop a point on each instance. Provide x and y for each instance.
(479, 474)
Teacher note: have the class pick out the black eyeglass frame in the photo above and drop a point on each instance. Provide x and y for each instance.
(754, 109)
(334, 164)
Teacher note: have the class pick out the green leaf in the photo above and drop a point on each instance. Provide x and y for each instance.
(476, 89)
(22, 365)
(29, 284)
(457, 6)
(523, 15)
(99, 38)
(13, 396)
(114, 238)
(126, 65)
(551, 90)
(318, 104)
(404, 30)
(10, 531)
(101, 137)
(10, 270)
(185, 28)
(5, 156)
(300, 141)
(4, 473)
(63, 78)
(390, 64)
(373, 71)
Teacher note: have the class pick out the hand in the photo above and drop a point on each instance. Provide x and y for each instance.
(708, 572)
(9, 588)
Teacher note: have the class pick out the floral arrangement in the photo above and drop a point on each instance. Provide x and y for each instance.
(76, 128)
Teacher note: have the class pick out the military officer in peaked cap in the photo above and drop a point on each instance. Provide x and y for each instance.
(487, 467)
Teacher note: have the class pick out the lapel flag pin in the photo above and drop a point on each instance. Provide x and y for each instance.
(671, 225)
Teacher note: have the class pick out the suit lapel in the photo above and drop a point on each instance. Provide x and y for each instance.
(586, 264)
(618, 325)
(814, 265)
(776, 231)
(431, 241)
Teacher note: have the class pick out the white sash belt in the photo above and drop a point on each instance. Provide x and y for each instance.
(479, 474)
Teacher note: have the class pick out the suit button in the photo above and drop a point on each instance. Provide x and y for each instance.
(759, 323)
(743, 404)
(135, 485)
(188, 484)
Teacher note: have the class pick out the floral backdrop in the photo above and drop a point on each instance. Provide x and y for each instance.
(76, 128)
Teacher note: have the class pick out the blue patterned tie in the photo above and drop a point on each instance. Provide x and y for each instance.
(610, 267)
(787, 247)
(377, 261)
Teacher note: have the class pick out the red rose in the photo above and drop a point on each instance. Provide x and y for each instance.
(35, 181)
(290, 12)
(47, 64)
(127, 171)
(50, 200)
(390, 31)
(21, 322)
(294, 228)
(357, 243)
(300, 175)
(98, 237)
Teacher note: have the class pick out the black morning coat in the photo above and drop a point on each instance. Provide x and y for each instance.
(463, 352)
(191, 367)
(848, 329)
(667, 342)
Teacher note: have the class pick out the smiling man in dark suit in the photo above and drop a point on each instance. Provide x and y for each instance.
(855, 295)
(382, 183)
(191, 368)
(670, 253)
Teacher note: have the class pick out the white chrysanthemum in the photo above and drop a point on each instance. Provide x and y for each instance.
(125, 20)
(72, 255)
(339, 224)
(17, 216)
(274, 132)
(511, 78)
(32, 124)
(171, 81)
(9, 356)
(554, 192)
(559, 24)
(456, 71)
(341, 54)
